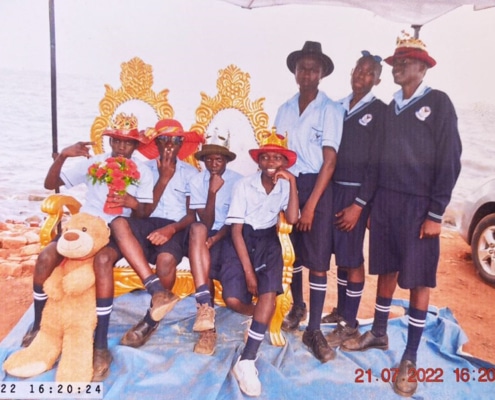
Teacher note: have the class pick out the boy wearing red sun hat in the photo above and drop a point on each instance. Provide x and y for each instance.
(257, 271)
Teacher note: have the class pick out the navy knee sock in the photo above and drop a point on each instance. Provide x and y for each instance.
(353, 298)
(39, 300)
(341, 290)
(255, 337)
(317, 292)
(296, 286)
(416, 325)
(203, 295)
(152, 284)
(103, 310)
(382, 310)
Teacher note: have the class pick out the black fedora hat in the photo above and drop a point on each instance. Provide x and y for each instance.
(311, 49)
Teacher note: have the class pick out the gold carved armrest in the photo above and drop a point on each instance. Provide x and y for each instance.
(53, 206)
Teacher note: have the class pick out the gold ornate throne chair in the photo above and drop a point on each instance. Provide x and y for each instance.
(229, 112)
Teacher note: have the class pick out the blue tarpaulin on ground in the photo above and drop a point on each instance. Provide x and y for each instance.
(167, 368)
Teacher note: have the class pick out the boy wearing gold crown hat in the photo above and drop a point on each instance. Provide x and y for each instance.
(417, 170)
(255, 269)
(161, 238)
(211, 194)
(124, 139)
(314, 124)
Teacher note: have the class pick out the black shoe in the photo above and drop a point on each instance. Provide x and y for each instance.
(102, 358)
(29, 337)
(294, 318)
(138, 334)
(365, 342)
(332, 318)
(318, 345)
(403, 385)
(341, 333)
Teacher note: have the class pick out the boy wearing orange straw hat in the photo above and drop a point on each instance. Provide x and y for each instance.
(256, 203)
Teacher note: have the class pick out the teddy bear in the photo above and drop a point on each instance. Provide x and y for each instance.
(69, 317)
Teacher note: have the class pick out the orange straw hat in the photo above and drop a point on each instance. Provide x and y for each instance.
(273, 142)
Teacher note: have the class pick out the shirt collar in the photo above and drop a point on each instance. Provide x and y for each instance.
(346, 101)
(422, 88)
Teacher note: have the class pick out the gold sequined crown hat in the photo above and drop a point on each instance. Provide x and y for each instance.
(125, 127)
(275, 143)
(410, 47)
(216, 143)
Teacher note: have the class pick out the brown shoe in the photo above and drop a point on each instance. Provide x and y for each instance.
(102, 358)
(161, 304)
(29, 337)
(294, 317)
(205, 318)
(403, 385)
(365, 342)
(138, 334)
(342, 333)
(332, 318)
(206, 343)
(318, 345)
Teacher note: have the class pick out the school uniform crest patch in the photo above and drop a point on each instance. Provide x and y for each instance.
(423, 113)
(365, 119)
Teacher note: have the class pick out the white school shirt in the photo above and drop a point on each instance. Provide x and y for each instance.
(253, 206)
(319, 125)
(172, 204)
(199, 193)
(97, 193)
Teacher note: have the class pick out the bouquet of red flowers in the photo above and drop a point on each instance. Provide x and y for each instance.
(118, 173)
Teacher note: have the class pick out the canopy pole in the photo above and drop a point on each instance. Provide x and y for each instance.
(416, 28)
(53, 73)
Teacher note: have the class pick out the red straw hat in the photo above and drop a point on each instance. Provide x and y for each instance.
(170, 127)
(272, 142)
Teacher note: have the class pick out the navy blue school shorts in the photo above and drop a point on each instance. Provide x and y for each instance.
(265, 253)
(313, 249)
(395, 246)
(142, 227)
(348, 246)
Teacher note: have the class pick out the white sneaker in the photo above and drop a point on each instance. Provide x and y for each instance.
(247, 376)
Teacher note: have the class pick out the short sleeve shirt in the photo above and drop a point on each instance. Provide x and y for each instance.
(319, 125)
(199, 193)
(253, 206)
(97, 193)
(172, 204)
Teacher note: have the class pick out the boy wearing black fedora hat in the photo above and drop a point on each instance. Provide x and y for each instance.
(211, 192)
(314, 126)
(124, 139)
(419, 164)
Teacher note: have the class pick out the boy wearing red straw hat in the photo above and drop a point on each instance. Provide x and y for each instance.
(418, 166)
(256, 268)
(124, 139)
(161, 238)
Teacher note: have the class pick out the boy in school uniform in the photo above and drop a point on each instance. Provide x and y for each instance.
(124, 140)
(211, 193)
(362, 120)
(256, 203)
(161, 238)
(419, 165)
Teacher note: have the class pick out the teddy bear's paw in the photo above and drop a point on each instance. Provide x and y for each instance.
(27, 370)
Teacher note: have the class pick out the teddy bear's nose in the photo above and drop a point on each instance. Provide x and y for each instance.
(71, 236)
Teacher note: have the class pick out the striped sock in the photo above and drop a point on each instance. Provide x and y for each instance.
(382, 310)
(203, 295)
(39, 300)
(152, 284)
(341, 290)
(353, 298)
(317, 292)
(103, 310)
(296, 286)
(255, 337)
(416, 325)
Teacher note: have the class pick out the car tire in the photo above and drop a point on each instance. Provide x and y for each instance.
(483, 248)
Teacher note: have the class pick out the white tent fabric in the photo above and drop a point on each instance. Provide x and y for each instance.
(417, 12)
